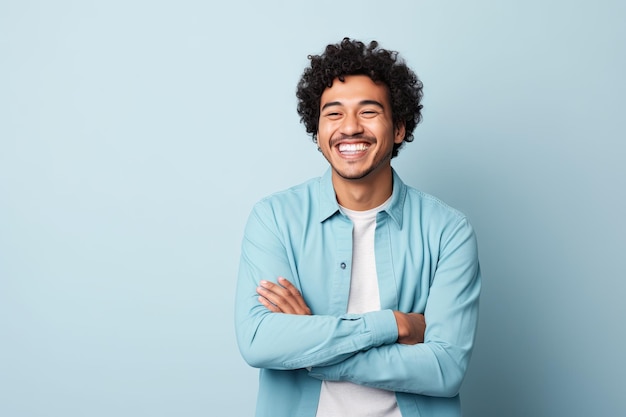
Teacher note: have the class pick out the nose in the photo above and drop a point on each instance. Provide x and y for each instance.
(351, 125)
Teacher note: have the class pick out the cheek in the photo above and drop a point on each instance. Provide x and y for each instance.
(323, 133)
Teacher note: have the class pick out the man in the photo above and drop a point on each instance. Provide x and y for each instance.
(357, 295)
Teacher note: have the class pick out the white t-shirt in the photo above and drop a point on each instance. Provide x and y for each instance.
(343, 398)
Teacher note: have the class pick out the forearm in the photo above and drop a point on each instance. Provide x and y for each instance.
(436, 367)
(287, 341)
(427, 369)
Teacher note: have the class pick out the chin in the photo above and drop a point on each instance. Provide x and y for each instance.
(351, 175)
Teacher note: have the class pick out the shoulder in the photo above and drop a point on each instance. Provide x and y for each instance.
(288, 205)
(431, 217)
(296, 195)
(285, 213)
(431, 205)
(415, 206)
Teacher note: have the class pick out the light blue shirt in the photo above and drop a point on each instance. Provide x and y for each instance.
(426, 261)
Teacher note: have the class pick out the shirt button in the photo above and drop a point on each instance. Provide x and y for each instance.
(343, 265)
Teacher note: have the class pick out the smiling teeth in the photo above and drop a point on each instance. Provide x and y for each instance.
(353, 147)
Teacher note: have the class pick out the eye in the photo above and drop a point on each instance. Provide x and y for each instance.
(333, 115)
(369, 113)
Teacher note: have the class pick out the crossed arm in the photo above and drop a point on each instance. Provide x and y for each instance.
(381, 348)
(284, 297)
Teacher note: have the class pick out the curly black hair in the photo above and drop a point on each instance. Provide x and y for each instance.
(352, 57)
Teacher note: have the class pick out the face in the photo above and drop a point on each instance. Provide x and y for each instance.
(356, 133)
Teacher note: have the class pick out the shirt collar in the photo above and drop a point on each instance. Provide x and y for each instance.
(328, 201)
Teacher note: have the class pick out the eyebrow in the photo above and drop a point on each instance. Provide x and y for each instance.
(361, 103)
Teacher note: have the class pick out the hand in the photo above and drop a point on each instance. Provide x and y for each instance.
(282, 297)
(411, 327)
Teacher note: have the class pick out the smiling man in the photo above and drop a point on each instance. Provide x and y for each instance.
(357, 294)
(356, 133)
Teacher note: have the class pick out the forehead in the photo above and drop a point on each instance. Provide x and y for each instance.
(355, 89)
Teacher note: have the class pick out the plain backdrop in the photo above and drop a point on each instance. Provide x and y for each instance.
(136, 135)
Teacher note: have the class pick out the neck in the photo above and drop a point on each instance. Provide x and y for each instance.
(365, 193)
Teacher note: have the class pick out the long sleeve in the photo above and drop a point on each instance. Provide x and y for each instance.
(282, 341)
(436, 367)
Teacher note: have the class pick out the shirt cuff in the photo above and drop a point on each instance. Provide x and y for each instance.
(383, 326)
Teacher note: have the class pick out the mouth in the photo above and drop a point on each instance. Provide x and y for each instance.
(353, 149)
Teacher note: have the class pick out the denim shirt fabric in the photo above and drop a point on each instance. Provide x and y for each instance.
(426, 261)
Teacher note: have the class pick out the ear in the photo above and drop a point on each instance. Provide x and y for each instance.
(399, 132)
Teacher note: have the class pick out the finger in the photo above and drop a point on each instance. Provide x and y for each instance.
(297, 296)
(275, 288)
(278, 296)
(288, 286)
(283, 298)
(301, 305)
(271, 307)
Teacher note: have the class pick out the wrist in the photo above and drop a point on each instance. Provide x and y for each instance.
(401, 324)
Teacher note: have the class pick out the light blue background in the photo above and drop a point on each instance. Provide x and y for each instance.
(136, 135)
